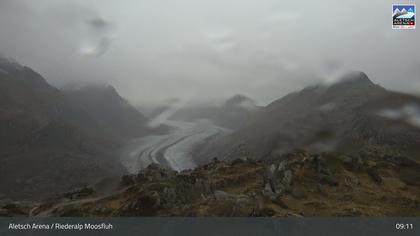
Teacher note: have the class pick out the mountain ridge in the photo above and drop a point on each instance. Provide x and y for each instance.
(321, 118)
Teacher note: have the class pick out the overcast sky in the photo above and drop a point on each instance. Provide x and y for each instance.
(157, 50)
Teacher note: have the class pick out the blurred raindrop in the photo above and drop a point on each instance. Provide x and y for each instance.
(409, 113)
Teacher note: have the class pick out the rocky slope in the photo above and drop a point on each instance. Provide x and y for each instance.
(113, 115)
(343, 117)
(373, 183)
(52, 141)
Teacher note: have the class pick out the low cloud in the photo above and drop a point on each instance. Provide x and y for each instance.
(156, 50)
(409, 113)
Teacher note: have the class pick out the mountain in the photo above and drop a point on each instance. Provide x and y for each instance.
(233, 113)
(345, 117)
(52, 141)
(240, 101)
(112, 114)
(236, 112)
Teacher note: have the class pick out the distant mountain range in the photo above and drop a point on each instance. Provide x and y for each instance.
(52, 141)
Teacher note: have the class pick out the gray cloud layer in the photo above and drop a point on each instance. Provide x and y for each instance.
(205, 49)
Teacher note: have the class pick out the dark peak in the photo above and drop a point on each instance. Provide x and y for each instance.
(349, 80)
(96, 92)
(106, 88)
(239, 100)
(15, 70)
(90, 88)
(353, 81)
(7, 63)
(356, 77)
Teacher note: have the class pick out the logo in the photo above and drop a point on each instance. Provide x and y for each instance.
(403, 16)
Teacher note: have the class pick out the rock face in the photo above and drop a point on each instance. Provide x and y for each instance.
(300, 184)
(112, 114)
(344, 117)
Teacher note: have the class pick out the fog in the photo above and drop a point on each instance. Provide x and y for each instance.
(198, 50)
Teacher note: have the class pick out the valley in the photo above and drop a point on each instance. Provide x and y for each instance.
(350, 148)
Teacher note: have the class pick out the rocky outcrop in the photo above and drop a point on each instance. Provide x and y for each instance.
(298, 184)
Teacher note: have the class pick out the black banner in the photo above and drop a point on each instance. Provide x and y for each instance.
(209, 226)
